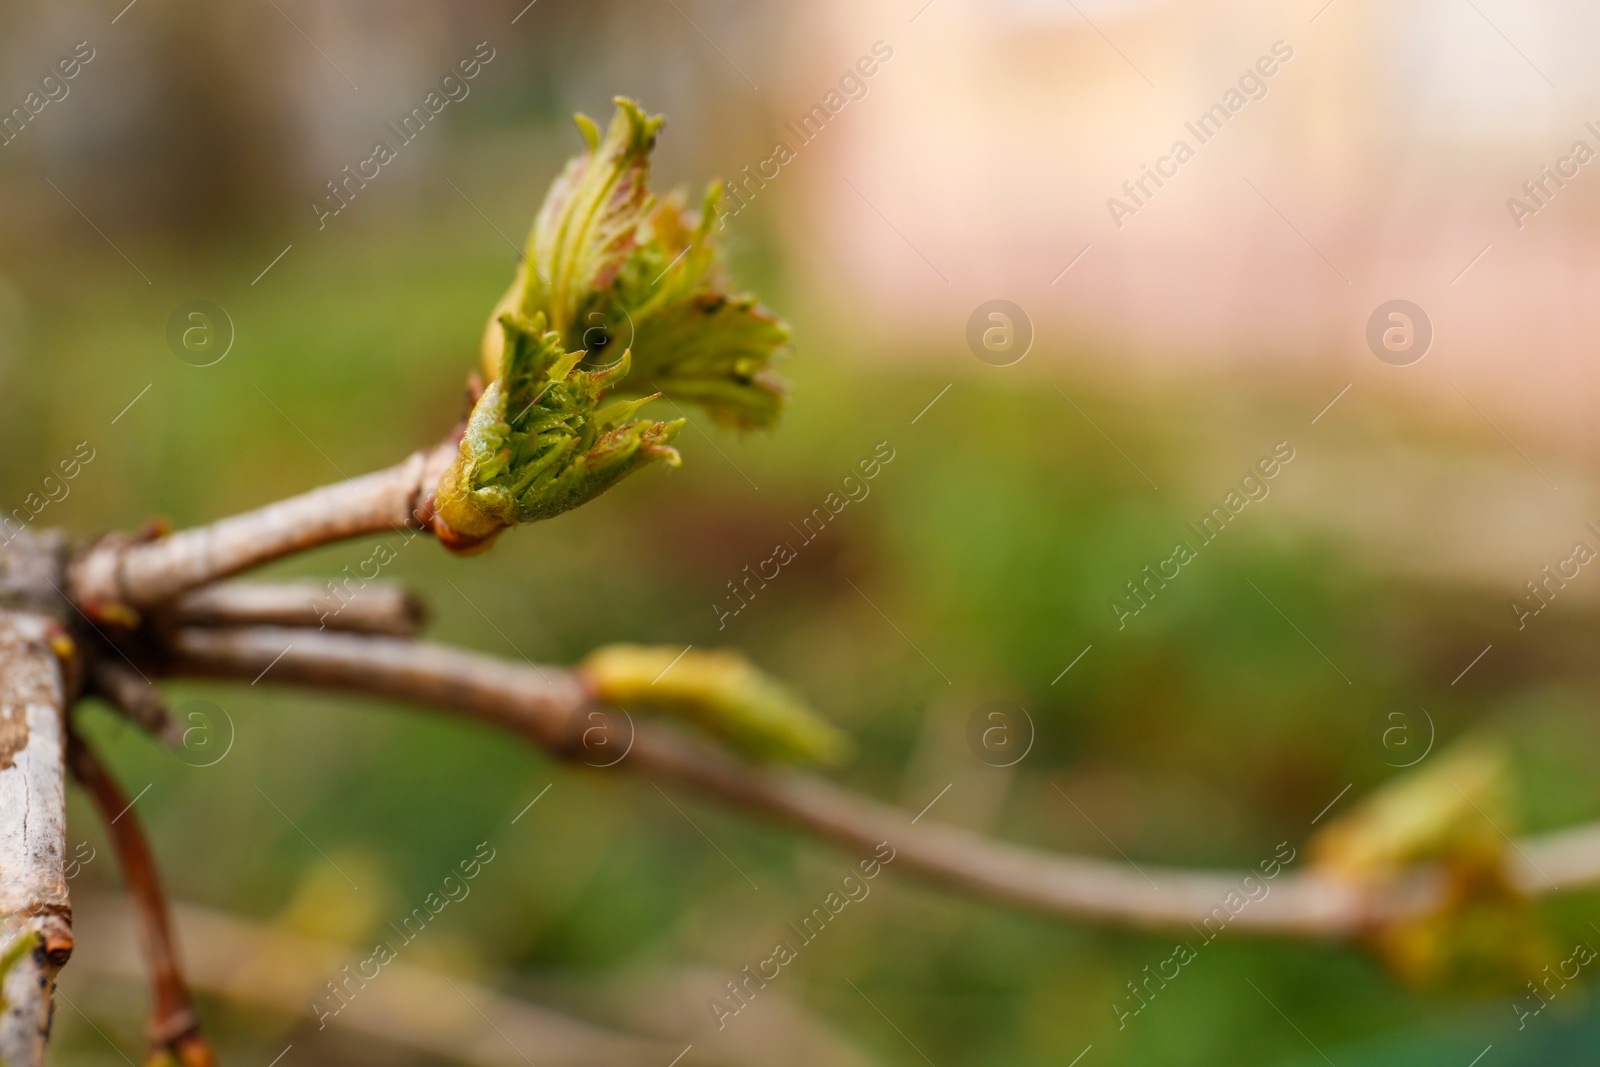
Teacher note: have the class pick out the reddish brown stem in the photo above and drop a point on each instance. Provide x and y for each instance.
(174, 1023)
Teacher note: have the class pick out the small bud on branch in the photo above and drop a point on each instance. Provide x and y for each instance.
(720, 692)
(1454, 814)
(605, 264)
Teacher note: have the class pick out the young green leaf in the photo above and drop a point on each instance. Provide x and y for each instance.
(587, 225)
(692, 339)
(542, 440)
(610, 268)
(720, 692)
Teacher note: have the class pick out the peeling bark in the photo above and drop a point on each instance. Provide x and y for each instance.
(33, 884)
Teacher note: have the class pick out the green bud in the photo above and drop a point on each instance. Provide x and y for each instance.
(541, 441)
(1448, 817)
(720, 692)
(1452, 809)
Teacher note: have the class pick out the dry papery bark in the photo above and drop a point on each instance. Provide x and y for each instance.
(108, 616)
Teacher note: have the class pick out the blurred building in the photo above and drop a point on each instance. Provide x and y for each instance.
(982, 158)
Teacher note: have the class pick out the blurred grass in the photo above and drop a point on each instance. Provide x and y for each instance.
(1204, 733)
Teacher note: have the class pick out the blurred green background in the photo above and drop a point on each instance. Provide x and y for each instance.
(983, 562)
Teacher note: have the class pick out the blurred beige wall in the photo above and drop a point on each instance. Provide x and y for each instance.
(1377, 165)
(977, 164)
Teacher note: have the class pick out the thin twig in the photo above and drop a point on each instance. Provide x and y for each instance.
(355, 604)
(174, 1023)
(134, 698)
(544, 704)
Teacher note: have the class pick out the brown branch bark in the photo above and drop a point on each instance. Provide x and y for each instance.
(139, 574)
(33, 883)
(174, 1024)
(547, 705)
(536, 701)
(373, 608)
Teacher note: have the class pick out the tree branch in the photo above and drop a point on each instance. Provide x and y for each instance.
(133, 697)
(536, 701)
(547, 705)
(33, 884)
(139, 574)
(374, 608)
